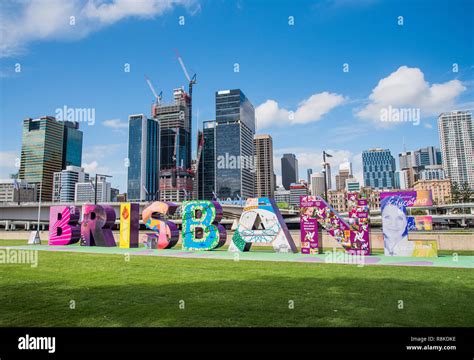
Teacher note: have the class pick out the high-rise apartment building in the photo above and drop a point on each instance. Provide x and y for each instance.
(379, 168)
(144, 158)
(264, 186)
(41, 153)
(456, 136)
(289, 170)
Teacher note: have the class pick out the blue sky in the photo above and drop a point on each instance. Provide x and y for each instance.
(293, 74)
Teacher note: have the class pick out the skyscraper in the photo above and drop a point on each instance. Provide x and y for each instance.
(176, 182)
(456, 136)
(207, 164)
(308, 173)
(144, 158)
(264, 186)
(379, 168)
(289, 170)
(72, 144)
(41, 153)
(234, 146)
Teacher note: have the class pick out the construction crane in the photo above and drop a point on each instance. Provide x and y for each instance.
(158, 97)
(191, 81)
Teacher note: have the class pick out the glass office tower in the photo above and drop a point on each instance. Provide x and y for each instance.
(41, 153)
(72, 144)
(207, 163)
(234, 146)
(289, 170)
(379, 169)
(144, 158)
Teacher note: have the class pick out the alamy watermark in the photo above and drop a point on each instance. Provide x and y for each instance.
(79, 115)
(341, 257)
(28, 342)
(228, 161)
(18, 256)
(394, 114)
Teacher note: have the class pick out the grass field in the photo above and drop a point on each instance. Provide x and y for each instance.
(147, 291)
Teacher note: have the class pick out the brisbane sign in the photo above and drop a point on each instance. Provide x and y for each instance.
(260, 223)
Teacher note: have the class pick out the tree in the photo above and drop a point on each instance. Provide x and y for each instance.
(462, 193)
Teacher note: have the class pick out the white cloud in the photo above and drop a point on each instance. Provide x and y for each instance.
(24, 22)
(9, 162)
(90, 167)
(308, 110)
(115, 124)
(407, 88)
(8, 158)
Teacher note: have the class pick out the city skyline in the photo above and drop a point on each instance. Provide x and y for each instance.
(313, 94)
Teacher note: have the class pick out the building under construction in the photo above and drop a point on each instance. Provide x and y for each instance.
(176, 175)
(175, 119)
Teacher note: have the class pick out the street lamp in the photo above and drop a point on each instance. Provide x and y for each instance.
(325, 164)
(35, 238)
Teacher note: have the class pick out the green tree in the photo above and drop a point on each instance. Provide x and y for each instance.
(462, 193)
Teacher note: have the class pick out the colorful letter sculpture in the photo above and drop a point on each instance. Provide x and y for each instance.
(396, 224)
(353, 236)
(96, 227)
(129, 225)
(64, 228)
(166, 234)
(200, 227)
(261, 222)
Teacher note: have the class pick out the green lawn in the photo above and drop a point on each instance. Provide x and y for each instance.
(146, 291)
